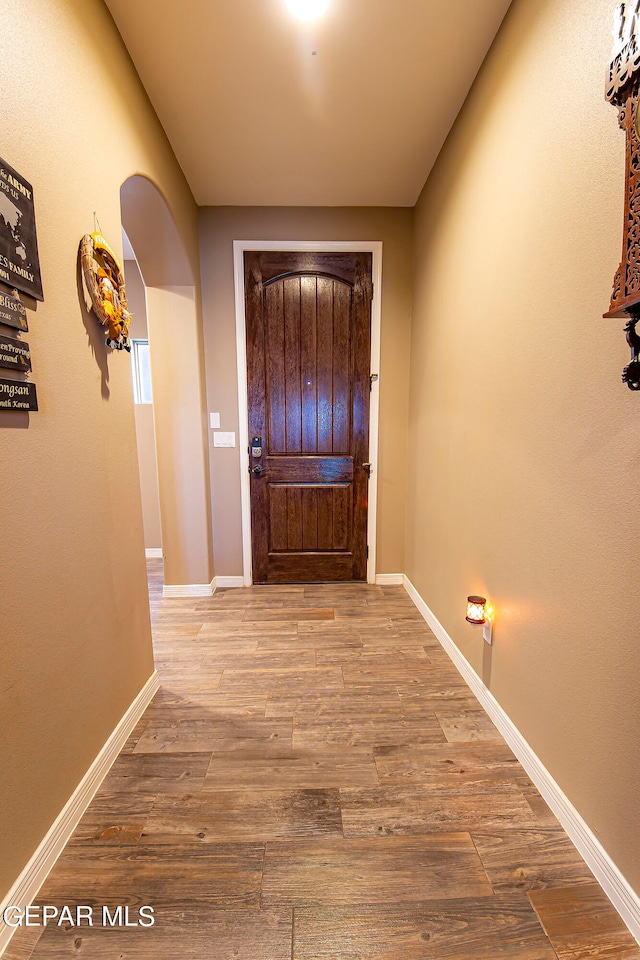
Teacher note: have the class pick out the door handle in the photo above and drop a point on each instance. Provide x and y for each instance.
(257, 469)
(367, 468)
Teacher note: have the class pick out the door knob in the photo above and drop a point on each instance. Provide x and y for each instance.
(258, 469)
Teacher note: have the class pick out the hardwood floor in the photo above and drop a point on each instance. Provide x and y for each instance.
(314, 781)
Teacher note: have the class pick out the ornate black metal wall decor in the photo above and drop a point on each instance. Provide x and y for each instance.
(631, 373)
(623, 88)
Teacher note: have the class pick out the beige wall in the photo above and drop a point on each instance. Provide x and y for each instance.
(75, 621)
(524, 476)
(176, 345)
(148, 470)
(219, 227)
(174, 331)
(145, 427)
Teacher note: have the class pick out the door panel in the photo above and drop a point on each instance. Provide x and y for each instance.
(309, 517)
(308, 348)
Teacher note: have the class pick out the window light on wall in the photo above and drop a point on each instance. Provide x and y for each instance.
(141, 371)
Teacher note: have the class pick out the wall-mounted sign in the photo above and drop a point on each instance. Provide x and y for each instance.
(19, 262)
(18, 395)
(13, 312)
(15, 355)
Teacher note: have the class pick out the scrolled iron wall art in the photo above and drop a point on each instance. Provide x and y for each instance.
(104, 289)
(622, 90)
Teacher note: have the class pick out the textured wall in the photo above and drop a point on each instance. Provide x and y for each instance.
(75, 624)
(219, 227)
(525, 472)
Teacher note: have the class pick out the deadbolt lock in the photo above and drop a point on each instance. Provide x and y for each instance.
(256, 447)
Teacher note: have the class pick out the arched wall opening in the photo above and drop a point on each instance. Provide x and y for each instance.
(143, 403)
(177, 365)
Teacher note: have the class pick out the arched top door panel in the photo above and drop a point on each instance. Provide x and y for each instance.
(339, 266)
(309, 357)
(306, 273)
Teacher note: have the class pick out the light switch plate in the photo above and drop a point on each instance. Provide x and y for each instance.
(224, 439)
(214, 421)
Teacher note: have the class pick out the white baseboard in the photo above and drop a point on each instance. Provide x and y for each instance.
(229, 581)
(389, 579)
(153, 553)
(172, 591)
(37, 870)
(625, 900)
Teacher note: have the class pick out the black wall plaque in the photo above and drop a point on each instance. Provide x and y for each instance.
(13, 312)
(18, 395)
(19, 261)
(14, 355)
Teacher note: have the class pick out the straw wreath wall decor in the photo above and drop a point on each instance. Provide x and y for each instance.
(104, 289)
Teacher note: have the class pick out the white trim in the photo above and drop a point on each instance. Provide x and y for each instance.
(374, 406)
(331, 246)
(153, 553)
(173, 591)
(26, 887)
(243, 408)
(136, 370)
(390, 579)
(229, 581)
(625, 900)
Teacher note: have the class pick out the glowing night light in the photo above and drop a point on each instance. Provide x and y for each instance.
(308, 9)
(476, 609)
(480, 611)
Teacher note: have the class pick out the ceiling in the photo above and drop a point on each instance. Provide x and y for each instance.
(264, 109)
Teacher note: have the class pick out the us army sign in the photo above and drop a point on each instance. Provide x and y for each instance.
(19, 263)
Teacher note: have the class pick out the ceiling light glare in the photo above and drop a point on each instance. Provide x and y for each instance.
(308, 9)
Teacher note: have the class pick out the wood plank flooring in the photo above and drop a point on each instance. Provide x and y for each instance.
(314, 781)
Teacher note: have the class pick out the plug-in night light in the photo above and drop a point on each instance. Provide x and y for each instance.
(475, 609)
(480, 611)
(308, 9)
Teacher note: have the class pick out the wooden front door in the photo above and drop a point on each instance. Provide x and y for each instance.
(308, 355)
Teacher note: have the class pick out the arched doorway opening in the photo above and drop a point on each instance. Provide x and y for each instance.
(176, 362)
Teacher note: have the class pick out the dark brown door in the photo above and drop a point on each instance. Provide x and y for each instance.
(308, 350)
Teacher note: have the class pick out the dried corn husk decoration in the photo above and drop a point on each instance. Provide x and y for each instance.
(104, 289)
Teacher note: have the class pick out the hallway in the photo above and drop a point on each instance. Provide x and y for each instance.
(314, 780)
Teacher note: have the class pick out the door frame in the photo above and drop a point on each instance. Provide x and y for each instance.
(373, 247)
